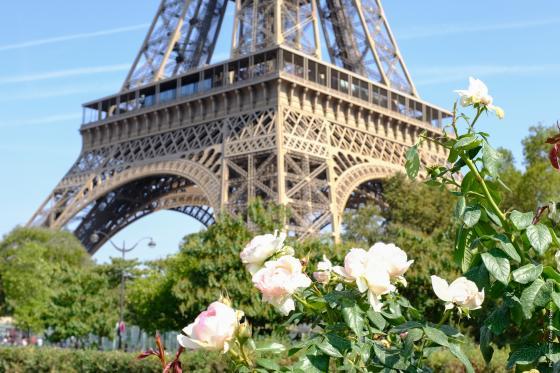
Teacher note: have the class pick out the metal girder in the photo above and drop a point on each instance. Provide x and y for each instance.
(132, 201)
(259, 24)
(182, 37)
(359, 39)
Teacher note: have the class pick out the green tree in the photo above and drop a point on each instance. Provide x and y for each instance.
(172, 292)
(32, 261)
(83, 304)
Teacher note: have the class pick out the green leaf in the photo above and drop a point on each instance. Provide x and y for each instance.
(485, 348)
(436, 335)
(340, 343)
(328, 348)
(523, 356)
(498, 267)
(491, 159)
(543, 297)
(463, 254)
(460, 207)
(526, 274)
(539, 237)
(521, 220)
(377, 319)
(272, 347)
(528, 296)
(412, 164)
(509, 249)
(551, 273)
(498, 320)
(352, 315)
(556, 298)
(459, 354)
(466, 142)
(472, 215)
(268, 364)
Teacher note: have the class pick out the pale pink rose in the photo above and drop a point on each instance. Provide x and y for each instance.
(212, 330)
(323, 274)
(462, 293)
(395, 259)
(354, 264)
(260, 249)
(279, 280)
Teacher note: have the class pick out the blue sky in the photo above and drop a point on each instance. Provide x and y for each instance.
(58, 54)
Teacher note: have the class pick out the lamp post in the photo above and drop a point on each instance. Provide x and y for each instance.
(94, 238)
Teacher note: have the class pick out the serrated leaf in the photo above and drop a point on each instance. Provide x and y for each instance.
(485, 348)
(460, 207)
(352, 315)
(436, 335)
(459, 354)
(523, 356)
(268, 364)
(412, 164)
(528, 296)
(491, 159)
(526, 274)
(471, 216)
(509, 249)
(467, 142)
(377, 319)
(539, 237)
(498, 320)
(498, 267)
(544, 295)
(328, 348)
(556, 298)
(521, 220)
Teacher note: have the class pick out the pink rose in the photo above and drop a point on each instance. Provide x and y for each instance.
(212, 330)
(279, 280)
(323, 274)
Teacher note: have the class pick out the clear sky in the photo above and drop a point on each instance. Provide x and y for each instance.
(57, 54)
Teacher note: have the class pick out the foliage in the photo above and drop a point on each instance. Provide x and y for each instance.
(83, 304)
(32, 262)
(207, 265)
(416, 217)
(504, 252)
(46, 359)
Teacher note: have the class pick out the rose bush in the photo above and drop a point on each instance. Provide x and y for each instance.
(360, 321)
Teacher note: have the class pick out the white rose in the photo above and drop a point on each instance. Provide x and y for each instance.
(377, 282)
(370, 273)
(260, 249)
(477, 93)
(279, 280)
(212, 330)
(395, 259)
(462, 293)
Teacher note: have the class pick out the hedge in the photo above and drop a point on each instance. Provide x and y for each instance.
(47, 359)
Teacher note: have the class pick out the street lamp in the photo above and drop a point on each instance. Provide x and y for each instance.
(94, 238)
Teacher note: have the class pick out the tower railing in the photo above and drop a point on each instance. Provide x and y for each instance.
(248, 69)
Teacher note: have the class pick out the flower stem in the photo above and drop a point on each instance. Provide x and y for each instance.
(470, 164)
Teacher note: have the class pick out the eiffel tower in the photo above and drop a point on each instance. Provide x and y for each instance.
(275, 120)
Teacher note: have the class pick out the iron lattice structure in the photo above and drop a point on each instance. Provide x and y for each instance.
(273, 121)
